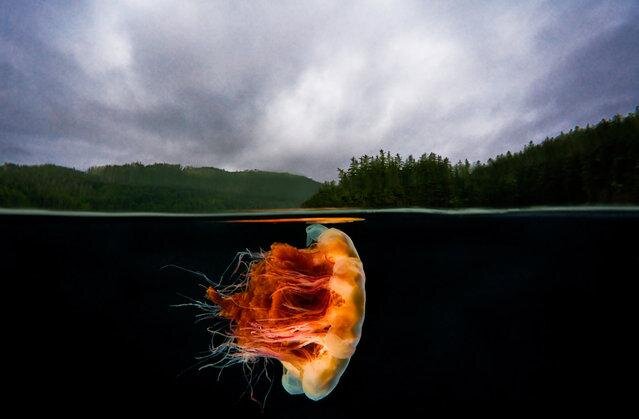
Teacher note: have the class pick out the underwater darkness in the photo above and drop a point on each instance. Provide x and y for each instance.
(491, 307)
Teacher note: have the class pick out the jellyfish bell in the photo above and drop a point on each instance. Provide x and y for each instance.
(303, 307)
(318, 376)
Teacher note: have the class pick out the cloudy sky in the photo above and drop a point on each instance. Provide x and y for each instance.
(302, 86)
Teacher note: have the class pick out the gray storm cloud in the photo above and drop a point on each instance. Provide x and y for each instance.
(303, 86)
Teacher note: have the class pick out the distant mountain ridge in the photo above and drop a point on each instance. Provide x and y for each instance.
(157, 187)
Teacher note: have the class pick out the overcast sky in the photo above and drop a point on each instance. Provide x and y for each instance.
(302, 86)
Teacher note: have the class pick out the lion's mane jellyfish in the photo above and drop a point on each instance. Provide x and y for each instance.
(303, 307)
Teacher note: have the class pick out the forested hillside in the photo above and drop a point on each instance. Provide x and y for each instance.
(157, 187)
(591, 165)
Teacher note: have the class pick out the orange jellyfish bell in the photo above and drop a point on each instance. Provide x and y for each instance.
(303, 307)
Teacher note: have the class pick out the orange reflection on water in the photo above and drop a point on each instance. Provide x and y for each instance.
(314, 220)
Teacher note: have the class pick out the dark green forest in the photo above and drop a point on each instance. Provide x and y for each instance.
(591, 165)
(154, 188)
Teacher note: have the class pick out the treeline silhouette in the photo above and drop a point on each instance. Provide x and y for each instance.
(154, 188)
(592, 165)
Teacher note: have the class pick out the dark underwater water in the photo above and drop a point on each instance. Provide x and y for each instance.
(479, 306)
